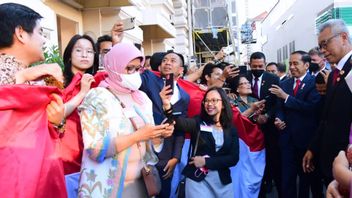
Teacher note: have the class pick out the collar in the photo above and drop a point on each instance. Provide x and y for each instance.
(282, 77)
(259, 78)
(13, 60)
(301, 78)
(343, 61)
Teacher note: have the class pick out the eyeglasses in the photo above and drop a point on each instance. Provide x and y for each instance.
(213, 101)
(80, 51)
(132, 68)
(324, 43)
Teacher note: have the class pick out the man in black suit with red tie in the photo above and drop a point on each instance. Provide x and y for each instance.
(333, 132)
(261, 82)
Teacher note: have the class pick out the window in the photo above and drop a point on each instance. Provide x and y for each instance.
(284, 53)
(279, 59)
(292, 46)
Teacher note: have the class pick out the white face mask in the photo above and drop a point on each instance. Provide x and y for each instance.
(131, 81)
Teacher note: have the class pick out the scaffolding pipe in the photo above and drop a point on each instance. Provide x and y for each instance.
(205, 44)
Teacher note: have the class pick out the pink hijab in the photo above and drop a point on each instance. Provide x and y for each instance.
(115, 62)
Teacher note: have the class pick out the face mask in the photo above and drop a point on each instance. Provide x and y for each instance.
(131, 81)
(313, 67)
(258, 72)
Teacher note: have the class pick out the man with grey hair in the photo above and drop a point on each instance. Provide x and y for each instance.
(333, 133)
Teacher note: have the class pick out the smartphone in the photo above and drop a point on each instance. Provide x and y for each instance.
(128, 24)
(243, 69)
(169, 80)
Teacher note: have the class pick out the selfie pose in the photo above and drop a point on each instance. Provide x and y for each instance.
(208, 172)
(171, 65)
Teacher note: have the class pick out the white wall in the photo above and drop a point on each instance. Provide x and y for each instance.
(300, 18)
(299, 26)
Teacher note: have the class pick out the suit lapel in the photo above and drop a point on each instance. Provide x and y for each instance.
(303, 84)
(264, 85)
(290, 87)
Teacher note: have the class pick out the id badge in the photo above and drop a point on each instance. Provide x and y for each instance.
(206, 128)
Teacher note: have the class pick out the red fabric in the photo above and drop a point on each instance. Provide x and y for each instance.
(298, 83)
(29, 166)
(71, 147)
(249, 132)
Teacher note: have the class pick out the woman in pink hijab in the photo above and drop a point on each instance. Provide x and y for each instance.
(115, 150)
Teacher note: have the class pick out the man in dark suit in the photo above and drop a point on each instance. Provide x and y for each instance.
(333, 132)
(297, 121)
(281, 71)
(261, 82)
(152, 84)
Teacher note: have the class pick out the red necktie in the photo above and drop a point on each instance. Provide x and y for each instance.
(298, 82)
(255, 88)
(335, 75)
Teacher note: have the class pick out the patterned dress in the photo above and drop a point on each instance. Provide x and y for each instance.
(103, 120)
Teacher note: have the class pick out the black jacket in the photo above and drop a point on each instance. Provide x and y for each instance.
(334, 129)
(220, 160)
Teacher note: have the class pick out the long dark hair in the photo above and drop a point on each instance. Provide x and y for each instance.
(226, 111)
(68, 74)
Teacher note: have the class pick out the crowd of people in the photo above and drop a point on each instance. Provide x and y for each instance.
(88, 130)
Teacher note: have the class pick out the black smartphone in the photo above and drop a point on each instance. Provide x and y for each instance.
(243, 69)
(169, 80)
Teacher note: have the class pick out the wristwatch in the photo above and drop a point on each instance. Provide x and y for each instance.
(61, 127)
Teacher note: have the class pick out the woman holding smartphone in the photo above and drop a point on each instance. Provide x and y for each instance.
(208, 172)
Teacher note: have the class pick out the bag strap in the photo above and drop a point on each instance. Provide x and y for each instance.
(134, 125)
(125, 161)
(196, 146)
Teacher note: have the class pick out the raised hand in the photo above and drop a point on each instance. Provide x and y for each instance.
(117, 33)
(55, 110)
(86, 81)
(165, 98)
(276, 90)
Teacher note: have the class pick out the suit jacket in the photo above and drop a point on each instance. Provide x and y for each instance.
(284, 78)
(152, 85)
(268, 79)
(333, 132)
(299, 112)
(220, 160)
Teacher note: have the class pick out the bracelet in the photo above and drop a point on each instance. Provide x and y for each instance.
(61, 127)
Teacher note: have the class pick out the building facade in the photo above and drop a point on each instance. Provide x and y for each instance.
(292, 25)
(160, 24)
